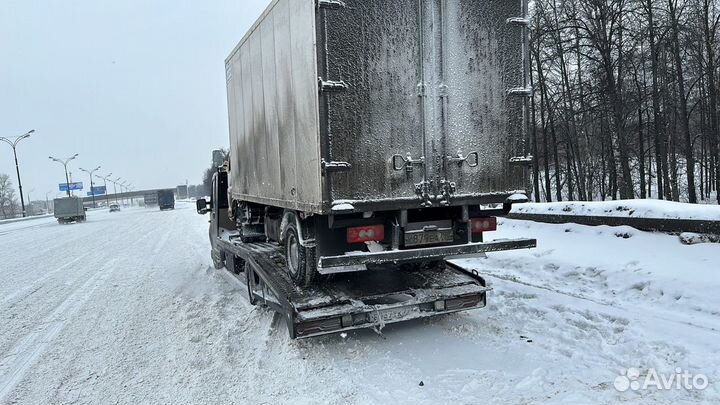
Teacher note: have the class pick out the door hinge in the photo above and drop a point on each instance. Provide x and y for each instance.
(520, 91)
(421, 89)
(332, 86)
(522, 160)
(519, 21)
(331, 4)
(334, 167)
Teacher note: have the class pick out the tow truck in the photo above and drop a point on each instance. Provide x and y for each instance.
(342, 301)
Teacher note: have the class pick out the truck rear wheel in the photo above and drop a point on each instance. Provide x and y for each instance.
(300, 260)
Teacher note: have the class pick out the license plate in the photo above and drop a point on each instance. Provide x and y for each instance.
(416, 238)
(389, 315)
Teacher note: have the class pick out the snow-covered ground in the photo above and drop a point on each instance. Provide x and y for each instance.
(126, 308)
(624, 208)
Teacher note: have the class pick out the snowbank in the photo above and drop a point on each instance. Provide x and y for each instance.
(624, 208)
(13, 220)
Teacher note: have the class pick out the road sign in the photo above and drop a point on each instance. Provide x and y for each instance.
(98, 190)
(72, 186)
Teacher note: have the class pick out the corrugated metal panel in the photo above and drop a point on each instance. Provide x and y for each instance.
(464, 56)
(373, 46)
(483, 60)
(426, 79)
(272, 98)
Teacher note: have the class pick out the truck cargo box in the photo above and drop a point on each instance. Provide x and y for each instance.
(150, 198)
(166, 199)
(365, 104)
(69, 209)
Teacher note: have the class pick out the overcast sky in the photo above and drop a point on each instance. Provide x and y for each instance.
(137, 86)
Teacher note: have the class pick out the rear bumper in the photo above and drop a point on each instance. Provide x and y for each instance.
(359, 262)
(461, 298)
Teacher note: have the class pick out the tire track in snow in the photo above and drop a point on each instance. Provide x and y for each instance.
(659, 314)
(55, 242)
(32, 287)
(23, 355)
(161, 243)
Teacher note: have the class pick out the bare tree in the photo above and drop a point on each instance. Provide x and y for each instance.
(8, 200)
(626, 99)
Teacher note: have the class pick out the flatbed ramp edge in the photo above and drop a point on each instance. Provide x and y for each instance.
(370, 299)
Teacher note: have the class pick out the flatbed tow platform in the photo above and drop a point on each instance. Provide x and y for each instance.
(369, 299)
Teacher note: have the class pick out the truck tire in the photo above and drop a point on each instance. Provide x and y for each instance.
(300, 261)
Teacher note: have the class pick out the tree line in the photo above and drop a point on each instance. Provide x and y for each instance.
(625, 103)
(9, 205)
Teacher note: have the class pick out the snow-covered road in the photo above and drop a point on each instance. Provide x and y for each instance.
(126, 308)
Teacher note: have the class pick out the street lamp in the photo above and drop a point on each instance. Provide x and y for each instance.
(92, 192)
(65, 163)
(123, 184)
(29, 200)
(105, 180)
(13, 144)
(47, 202)
(115, 183)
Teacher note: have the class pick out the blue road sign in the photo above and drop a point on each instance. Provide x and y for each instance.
(72, 186)
(98, 190)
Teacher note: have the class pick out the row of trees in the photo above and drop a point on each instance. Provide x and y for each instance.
(9, 206)
(626, 101)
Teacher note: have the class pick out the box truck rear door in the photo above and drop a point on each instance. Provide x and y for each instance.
(371, 112)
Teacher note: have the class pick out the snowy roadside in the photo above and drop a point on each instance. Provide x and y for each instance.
(126, 309)
(624, 208)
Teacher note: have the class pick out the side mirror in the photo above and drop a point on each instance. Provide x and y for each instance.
(201, 206)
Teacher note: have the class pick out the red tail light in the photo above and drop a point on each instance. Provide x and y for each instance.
(484, 224)
(360, 234)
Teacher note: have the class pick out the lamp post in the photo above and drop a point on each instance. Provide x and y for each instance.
(13, 144)
(114, 182)
(92, 192)
(47, 202)
(29, 201)
(105, 180)
(123, 184)
(65, 163)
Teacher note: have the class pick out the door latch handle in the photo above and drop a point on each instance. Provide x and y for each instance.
(399, 162)
(472, 159)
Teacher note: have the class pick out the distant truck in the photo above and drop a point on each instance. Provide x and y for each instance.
(182, 192)
(69, 209)
(166, 199)
(151, 199)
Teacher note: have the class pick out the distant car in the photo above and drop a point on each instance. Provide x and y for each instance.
(114, 207)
